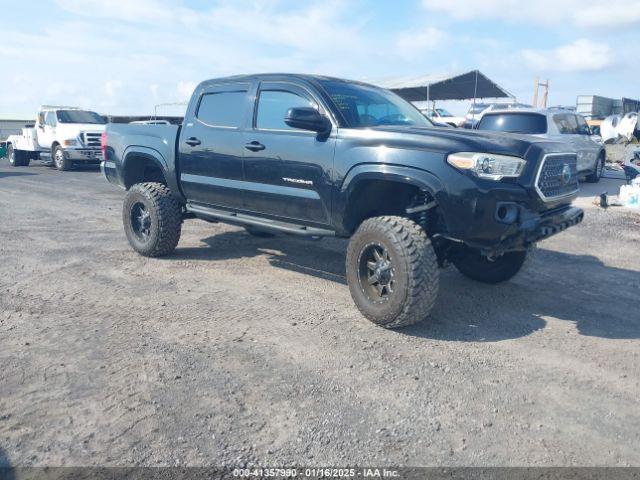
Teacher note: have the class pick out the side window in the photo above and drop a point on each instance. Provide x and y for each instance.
(50, 119)
(566, 123)
(222, 109)
(273, 106)
(583, 128)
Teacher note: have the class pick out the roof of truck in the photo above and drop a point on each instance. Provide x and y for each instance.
(282, 76)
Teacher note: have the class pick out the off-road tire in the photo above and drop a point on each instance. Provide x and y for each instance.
(477, 267)
(597, 174)
(259, 233)
(17, 158)
(165, 214)
(59, 161)
(415, 265)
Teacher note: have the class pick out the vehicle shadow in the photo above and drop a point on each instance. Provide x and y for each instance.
(6, 470)
(15, 174)
(598, 299)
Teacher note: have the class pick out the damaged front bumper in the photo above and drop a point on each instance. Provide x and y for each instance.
(533, 227)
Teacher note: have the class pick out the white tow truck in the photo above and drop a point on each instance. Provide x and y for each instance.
(63, 135)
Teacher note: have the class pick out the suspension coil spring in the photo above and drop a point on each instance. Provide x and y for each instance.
(422, 217)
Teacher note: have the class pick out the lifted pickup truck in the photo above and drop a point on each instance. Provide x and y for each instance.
(318, 156)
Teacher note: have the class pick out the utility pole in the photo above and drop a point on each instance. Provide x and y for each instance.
(545, 96)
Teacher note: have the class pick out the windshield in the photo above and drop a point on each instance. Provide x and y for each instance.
(79, 116)
(368, 106)
(478, 108)
(530, 123)
(443, 113)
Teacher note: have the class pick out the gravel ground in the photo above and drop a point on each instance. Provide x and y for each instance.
(237, 350)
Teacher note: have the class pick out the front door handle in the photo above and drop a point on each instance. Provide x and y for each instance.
(193, 141)
(254, 146)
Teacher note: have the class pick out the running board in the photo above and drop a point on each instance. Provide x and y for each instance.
(262, 223)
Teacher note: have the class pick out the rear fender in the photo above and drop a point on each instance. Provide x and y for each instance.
(135, 152)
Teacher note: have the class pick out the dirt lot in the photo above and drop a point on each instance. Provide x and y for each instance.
(241, 350)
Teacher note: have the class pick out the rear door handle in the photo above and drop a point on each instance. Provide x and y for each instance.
(193, 141)
(254, 146)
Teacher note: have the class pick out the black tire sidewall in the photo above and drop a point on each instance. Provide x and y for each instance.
(133, 197)
(385, 311)
(476, 267)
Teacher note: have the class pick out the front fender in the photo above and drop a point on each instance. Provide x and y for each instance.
(387, 172)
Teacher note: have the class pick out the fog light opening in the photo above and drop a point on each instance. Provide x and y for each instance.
(507, 213)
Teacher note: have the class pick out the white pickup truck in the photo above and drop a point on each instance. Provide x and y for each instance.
(64, 135)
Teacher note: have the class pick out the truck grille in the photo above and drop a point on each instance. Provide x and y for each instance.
(91, 139)
(558, 176)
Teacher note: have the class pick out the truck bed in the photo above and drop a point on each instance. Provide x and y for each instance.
(123, 139)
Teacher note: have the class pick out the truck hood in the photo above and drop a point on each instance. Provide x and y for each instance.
(71, 130)
(450, 140)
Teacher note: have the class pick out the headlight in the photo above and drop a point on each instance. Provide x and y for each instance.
(488, 165)
(70, 143)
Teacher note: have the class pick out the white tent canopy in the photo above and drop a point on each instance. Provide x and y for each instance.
(462, 86)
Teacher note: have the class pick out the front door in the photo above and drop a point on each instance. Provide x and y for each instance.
(287, 170)
(46, 129)
(211, 146)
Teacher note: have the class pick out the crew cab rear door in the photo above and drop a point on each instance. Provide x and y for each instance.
(287, 170)
(211, 146)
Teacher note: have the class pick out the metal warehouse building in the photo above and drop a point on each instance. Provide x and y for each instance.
(9, 126)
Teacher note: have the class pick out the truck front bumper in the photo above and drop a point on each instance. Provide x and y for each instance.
(86, 155)
(523, 228)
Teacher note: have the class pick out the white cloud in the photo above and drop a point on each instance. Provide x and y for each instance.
(137, 11)
(185, 90)
(111, 87)
(582, 13)
(582, 55)
(413, 43)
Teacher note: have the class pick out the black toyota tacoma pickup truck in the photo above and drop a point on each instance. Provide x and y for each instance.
(318, 156)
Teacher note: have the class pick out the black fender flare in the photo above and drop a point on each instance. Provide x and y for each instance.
(394, 173)
(154, 156)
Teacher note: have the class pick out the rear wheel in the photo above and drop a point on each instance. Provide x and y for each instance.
(152, 219)
(392, 271)
(17, 158)
(597, 174)
(59, 160)
(471, 263)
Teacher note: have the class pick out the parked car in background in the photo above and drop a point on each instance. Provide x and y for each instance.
(477, 110)
(317, 156)
(66, 135)
(559, 125)
(440, 115)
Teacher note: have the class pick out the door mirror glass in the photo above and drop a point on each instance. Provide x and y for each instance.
(307, 118)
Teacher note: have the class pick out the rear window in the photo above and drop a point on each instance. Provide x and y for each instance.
(530, 123)
(222, 109)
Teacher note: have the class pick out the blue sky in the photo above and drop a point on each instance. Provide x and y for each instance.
(125, 56)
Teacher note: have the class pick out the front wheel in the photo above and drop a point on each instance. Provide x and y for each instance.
(392, 271)
(152, 219)
(597, 174)
(59, 160)
(471, 263)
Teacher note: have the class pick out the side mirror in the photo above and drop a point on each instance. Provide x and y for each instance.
(307, 118)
